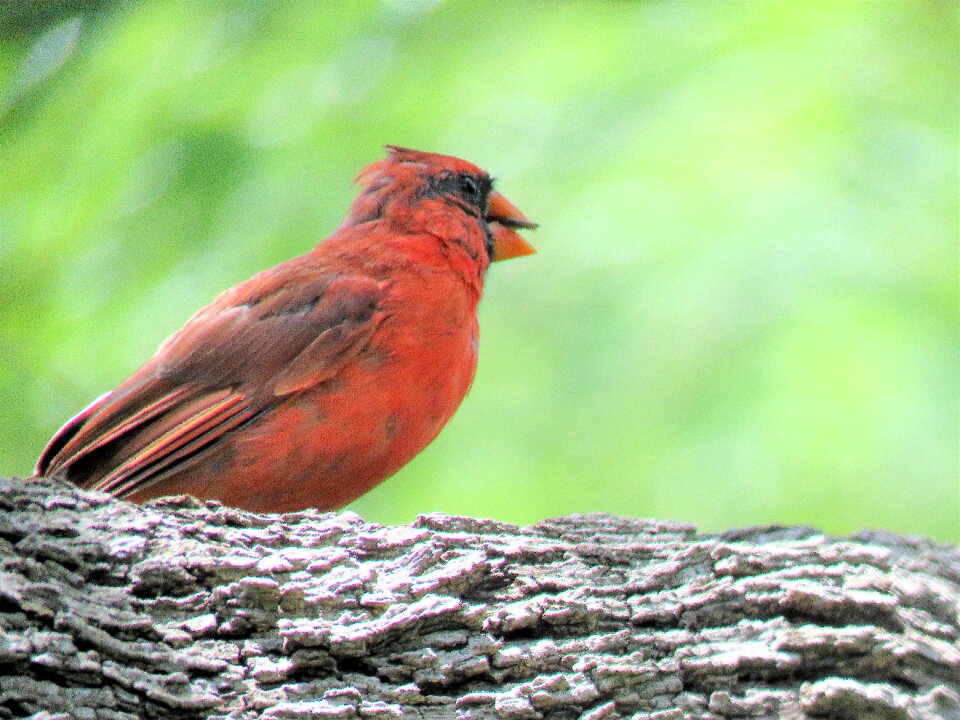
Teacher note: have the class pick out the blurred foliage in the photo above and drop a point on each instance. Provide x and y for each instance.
(744, 309)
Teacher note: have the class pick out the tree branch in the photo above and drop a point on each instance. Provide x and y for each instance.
(180, 610)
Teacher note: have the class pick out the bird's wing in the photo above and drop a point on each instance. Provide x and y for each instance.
(285, 330)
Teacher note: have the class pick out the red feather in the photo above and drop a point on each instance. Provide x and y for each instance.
(317, 379)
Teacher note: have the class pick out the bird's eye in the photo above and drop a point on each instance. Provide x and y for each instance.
(468, 186)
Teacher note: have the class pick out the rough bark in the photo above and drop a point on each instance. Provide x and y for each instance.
(182, 610)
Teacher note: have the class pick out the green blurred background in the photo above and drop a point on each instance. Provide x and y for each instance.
(745, 305)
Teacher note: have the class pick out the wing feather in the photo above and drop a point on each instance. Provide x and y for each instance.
(282, 332)
(90, 440)
(194, 428)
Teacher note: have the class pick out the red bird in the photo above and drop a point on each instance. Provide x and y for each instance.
(312, 382)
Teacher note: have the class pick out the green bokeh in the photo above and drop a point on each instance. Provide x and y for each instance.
(744, 308)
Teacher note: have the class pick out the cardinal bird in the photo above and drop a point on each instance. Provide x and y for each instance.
(311, 382)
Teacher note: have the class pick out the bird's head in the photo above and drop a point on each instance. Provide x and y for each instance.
(407, 180)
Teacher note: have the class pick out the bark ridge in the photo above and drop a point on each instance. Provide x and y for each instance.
(177, 609)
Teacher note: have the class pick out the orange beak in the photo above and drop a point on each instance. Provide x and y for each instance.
(503, 216)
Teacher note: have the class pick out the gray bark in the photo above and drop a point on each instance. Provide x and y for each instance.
(179, 610)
